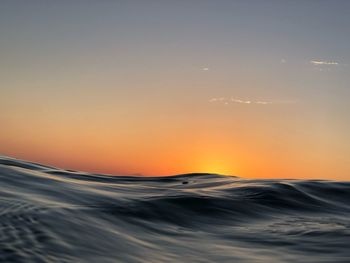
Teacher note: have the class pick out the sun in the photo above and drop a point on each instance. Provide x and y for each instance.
(216, 169)
(215, 165)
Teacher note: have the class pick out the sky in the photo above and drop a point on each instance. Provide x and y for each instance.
(257, 89)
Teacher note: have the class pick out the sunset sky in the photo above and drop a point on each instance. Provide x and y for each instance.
(257, 89)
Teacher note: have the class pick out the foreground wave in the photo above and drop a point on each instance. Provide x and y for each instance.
(53, 215)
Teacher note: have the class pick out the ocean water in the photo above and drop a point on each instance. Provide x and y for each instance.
(53, 215)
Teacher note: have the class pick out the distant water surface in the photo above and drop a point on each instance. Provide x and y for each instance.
(52, 215)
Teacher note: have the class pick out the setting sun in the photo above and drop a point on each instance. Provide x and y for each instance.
(213, 163)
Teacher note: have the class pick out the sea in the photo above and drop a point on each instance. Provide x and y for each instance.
(54, 215)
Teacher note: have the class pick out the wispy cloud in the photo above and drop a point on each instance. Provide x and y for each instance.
(233, 100)
(323, 63)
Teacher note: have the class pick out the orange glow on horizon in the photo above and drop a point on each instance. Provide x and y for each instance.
(151, 150)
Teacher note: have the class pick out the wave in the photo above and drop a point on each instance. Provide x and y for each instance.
(54, 215)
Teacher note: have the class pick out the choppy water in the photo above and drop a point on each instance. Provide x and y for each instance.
(52, 215)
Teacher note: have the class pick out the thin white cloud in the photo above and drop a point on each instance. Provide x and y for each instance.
(205, 69)
(233, 100)
(263, 102)
(227, 101)
(241, 101)
(323, 63)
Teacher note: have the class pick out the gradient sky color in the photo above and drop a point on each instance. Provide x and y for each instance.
(258, 89)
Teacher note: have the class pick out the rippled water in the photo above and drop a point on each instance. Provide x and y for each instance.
(52, 215)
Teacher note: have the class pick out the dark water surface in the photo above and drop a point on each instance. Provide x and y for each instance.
(52, 215)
